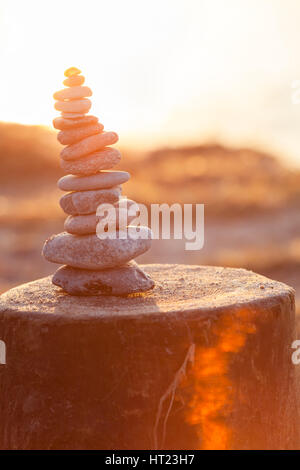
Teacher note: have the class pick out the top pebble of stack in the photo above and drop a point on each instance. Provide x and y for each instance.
(72, 71)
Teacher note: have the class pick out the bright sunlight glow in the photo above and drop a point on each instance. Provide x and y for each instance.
(162, 72)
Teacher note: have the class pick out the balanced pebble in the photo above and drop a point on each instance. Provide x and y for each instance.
(86, 202)
(76, 92)
(74, 80)
(89, 252)
(85, 224)
(72, 115)
(81, 224)
(72, 136)
(89, 145)
(62, 123)
(72, 71)
(74, 106)
(102, 180)
(90, 164)
(123, 280)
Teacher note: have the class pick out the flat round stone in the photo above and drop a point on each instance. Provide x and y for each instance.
(64, 123)
(74, 80)
(89, 252)
(89, 145)
(81, 224)
(73, 93)
(102, 180)
(72, 115)
(74, 106)
(123, 280)
(85, 224)
(92, 163)
(71, 71)
(86, 202)
(72, 136)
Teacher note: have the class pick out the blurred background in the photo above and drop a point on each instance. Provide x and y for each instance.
(205, 96)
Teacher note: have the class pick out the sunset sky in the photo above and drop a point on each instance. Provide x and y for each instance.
(162, 72)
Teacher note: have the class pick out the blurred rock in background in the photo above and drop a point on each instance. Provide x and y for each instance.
(252, 204)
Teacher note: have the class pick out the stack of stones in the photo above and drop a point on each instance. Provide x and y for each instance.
(92, 265)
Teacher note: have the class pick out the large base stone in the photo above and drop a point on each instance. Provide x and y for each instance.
(123, 280)
(201, 362)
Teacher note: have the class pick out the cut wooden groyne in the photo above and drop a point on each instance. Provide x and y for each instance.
(201, 362)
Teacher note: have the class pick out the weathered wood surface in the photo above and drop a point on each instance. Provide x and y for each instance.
(202, 361)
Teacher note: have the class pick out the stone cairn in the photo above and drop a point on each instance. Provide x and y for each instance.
(92, 265)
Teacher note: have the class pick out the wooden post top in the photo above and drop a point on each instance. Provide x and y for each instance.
(180, 289)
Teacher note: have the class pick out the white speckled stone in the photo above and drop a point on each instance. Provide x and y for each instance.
(71, 136)
(101, 180)
(92, 163)
(89, 145)
(123, 280)
(75, 106)
(73, 93)
(86, 202)
(89, 252)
